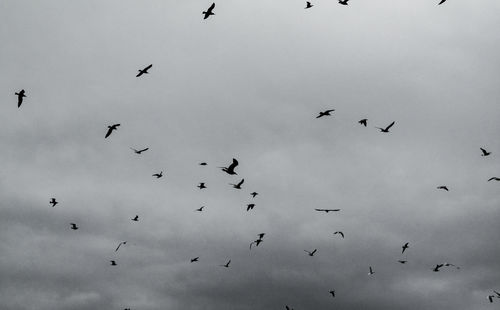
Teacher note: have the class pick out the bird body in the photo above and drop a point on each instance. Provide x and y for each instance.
(209, 11)
(402, 261)
(139, 151)
(110, 129)
(333, 293)
(484, 152)
(136, 218)
(201, 185)
(158, 175)
(200, 209)
(405, 246)
(230, 168)
(327, 210)
(73, 226)
(113, 263)
(53, 202)
(250, 206)
(363, 122)
(324, 113)
(308, 5)
(20, 95)
(441, 2)
(343, 2)
(386, 129)
(371, 271)
(254, 194)
(195, 259)
(311, 253)
(144, 71)
(436, 269)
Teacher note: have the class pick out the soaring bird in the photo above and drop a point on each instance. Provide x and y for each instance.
(333, 293)
(441, 2)
(324, 113)
(339, 233)
(436, 269)
(405, 246)
(363, 122)
(494, 179)
(20, 96)
(201, 185)
(124, 242)
(402, 261)
(308, 5)
(53, 202)
(136, 218)
(485, 152)
(343, 2)
(139, 151)
(209, 11)
(386, 129)
(113, 263)
(310, 253)
(256, 242)
(202, 164)
(371, 271)
(443, 187)
(73, 226)
(250, 206)
(144, 71)
(195, 259)
(227, 264)
(110, 129)
(238, 186)
(200, 209)
(158, 175)
(230, 168)
(254, 194)
(327, 210)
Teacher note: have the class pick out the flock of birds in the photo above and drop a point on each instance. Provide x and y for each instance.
(230, 170)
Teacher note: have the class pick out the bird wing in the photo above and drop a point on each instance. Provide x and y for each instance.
(387, 128)
(143, 150)
(442, 1)
(211, 7)
(328, 111)
(19, 100)
(233, 165)
(314, 251)
(118, 246)
(320, 209)
(110, 130)
(148, 67)
(483, 150)
(241, 182)
(341, 233)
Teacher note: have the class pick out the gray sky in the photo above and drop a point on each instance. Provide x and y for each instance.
(248, 83)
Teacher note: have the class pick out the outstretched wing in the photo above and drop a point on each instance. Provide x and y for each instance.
(241, 182)
(110, 130)
(233, 165)
(388, 127)
(211, 7)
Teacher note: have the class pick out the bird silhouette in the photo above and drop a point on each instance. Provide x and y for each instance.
(324, 113)
(256, 242)
(311, 253)
(343, 2)
(230, 168)
(443, 188)
(238, 186)
(144, 71)
(333, 293)
(201, 185)
(386, 129)
(202, 164)
(195, 259)
(250, 206)
(494, 179)
(110, 129)
(371, 271)
(119, 245)
(139, 151)
(209, 11)
(136, 218)
(405, 246)
(261, 235)
(20, 95)
(402, 261)
(485, 152)
(53, 202)
(113, 263)
(339, 233)
(158, 175)
(436, 269)
(441, 2)
(363, 122)
(254, 194)
(308, 5)
(490, 298)
(227, 264)
(200, 209)
(73, 226)
(327, 210)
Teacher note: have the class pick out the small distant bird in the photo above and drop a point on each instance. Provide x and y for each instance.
(230, 168)
(436, 269)
(364, 120)
(144, 71)
(443, 187)
(250, 206)
(110, 129)
(124, 242)
(494, 179)
(136, 218)
(343, 2)
(20, 96)
(308, 5)
(371, 271)
(333, 293)
(158, 175)
(254, 194)
(311, 253)
(327, 210)
(73, 226)
(200, 209)
(402, 261)
(227, 264)
(203, 164)
(339, 233)
(209, 11)
(201, 185)
(256, 242)
(386, 129)
(441, 2)
(113, 263)
(261, 235)
(53, 202)
(139, 151)
(324, 113)
(405, 246)
(195, 259)
(238, 186)
(485, 152)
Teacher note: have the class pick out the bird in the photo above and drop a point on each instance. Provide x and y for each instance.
(73, 226)
(113, 263)
(371, 271)
(250, 206)
(402, 261)
(436, 269)
(53, 202)
(327, 210)
(144, 71)
(311, 253)
(124, 242)
(494, 179)
(136, 218)
(139, 151)
(443, 187)
(343, 2)
(485, 152)
(227, 264)
(256, 242)
(339, 233)
(200, 209)
(405, 246)
(363, 122)
(333, 293)
(201, 185)
(230, 168)
(209, 11)
(386, 129)
(308, 5)
(158, 175)
(238, 186)
(20, 96)
(195, 259)
(441, 2)
(110, 129)
(324, 113)
(261, 235)
(254, 194)
(202, 164)
(490, 298)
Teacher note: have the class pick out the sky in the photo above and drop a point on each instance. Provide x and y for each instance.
(248, 83)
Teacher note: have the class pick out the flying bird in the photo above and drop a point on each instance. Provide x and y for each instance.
(333, 293)
(494, 179)
(308, 5)
(200, 209)
(195, 259)
(485, 152)
(144, 71)
(327, 210)
(139, 151)
(202, 164)
(443, 187)
(363, 122)
(158, 175)
(256, 242)
(441, 2)
(339, 233)
(110, 129)
(261, 235)
(254, 194)
(53, 202)
(371, 271)
(113, 263)
(136, 218)
(124, 242)
(490, 298)
(402, 261)
(20, 96)
(405, 246)
(201, 185)
(386, 129)
(227, 264)
(311, 253)
(436, 269)
(230, 168)
(238, 186)
(343, 2)
(209, 11)
(73, 226)
(324, 113)
(250, 206)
